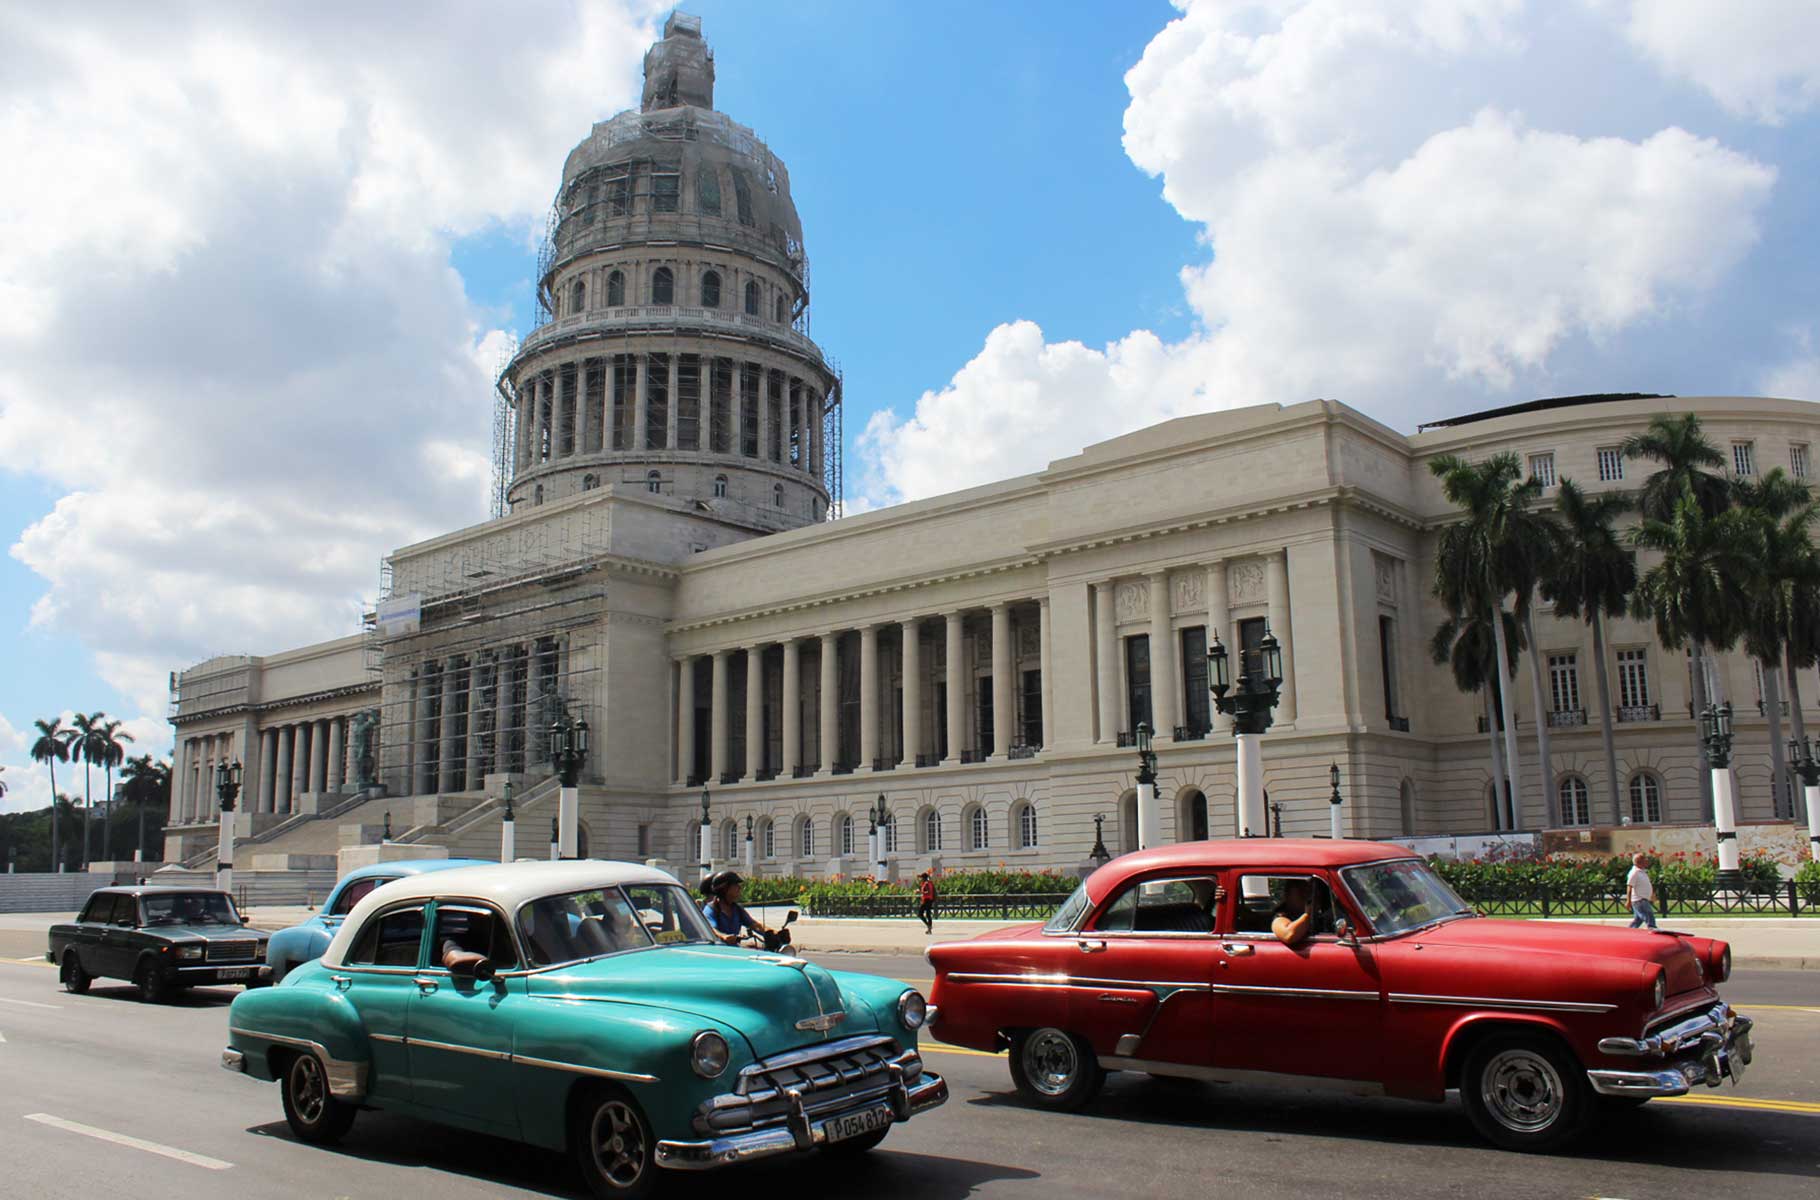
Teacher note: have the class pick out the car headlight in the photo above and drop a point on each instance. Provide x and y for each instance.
(912, 1009)
(189, 952)
(1659, 990)
(708, 1054)
(1722, 965)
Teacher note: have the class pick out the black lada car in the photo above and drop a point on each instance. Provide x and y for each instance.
(162, 939)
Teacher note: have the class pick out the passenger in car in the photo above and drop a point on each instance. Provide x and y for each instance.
(1293, 920)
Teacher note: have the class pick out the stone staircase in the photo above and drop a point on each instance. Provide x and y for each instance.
(471, 830)
(360, 820)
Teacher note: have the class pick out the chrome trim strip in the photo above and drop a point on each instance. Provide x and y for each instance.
(1223, 989)
(1351, 1087)
(1163, 989)
(387, 1037)
(347, 1079)
(577, 1068)
(790, 1058)
(1573, 1006)
(476, 1051)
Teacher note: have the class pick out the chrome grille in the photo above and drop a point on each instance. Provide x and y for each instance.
(826, 1077)
(236, 951)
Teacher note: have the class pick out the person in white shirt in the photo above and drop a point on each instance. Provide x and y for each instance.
(1640, 893)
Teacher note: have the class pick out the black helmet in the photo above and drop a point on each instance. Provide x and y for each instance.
(720, 882)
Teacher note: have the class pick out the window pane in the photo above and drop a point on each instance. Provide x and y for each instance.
(390, 941)
(1197, 704)
(472, 931)
(1611, 464)
(1137, 680)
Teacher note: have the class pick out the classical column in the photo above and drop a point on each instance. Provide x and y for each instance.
(268, 769)
(287, 746)
(913, 691)
(675, 403)
(642, 363)
(338, 752)
(793, 708)
(1276, 587)
(1219, 624)
(738, 416)
(447, 761)
(868, 696)
(476, 761)
(1163, 658)
(828, 710)
(545, 404)
(587, 408)
(685, 720)
(1004, 696)
(1106, 642)
(717, 724)
(319, 756)
(755, 710)
(764, 414)
(1043, 662)
(956, 685)
(300, 762)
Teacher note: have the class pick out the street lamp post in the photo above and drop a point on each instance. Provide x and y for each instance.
(1716, 731)
(749, 855)
(1334, 802)
(881, 818)
(706, 845)
(1148, 814)
(508, 829)
(227, 790)
(569, 751)
(1801, 754)
(1250, 706)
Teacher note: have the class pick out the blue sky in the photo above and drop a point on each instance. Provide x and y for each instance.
(245, 342)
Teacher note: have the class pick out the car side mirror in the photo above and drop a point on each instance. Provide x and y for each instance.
(1343, 930)
(791, 917)
(479, 971)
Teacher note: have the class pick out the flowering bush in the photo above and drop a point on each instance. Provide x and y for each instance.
(1807, 880)
(805, 892)
(1678, 875)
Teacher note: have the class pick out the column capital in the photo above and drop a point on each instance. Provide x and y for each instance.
(721, 655)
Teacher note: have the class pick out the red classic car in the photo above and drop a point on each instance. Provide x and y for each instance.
(1164, 961)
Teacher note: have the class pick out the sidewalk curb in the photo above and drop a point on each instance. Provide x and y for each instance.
(1776, 962)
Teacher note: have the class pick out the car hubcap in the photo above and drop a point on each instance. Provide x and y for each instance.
(619, 1144)
(307, 1092)
(1050, 1061)
(1522, 1091)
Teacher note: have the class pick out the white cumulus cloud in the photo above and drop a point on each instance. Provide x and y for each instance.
(1760, 59)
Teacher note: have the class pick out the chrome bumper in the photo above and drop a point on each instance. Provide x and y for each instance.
(802, 1130)
(1706, 1048)
(233, 1060)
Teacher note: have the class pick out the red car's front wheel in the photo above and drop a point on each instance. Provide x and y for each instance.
(1055, 1069)
(1525, 1092)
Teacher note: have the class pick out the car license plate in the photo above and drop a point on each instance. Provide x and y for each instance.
(1735, 1061)
(234, 973)
(851, 1125)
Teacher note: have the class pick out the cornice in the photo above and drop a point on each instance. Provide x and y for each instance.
(277, 705)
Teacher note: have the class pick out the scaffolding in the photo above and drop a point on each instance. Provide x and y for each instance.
(505, 432)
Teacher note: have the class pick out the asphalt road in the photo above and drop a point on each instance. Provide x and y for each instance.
(116, 1069)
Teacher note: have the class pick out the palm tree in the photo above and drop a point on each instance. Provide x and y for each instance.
(51, 748)
(86, 745)
(1498, 549)
(1784, 572)
(2, 783)
(113, 752)
(146, 781)
(1468, 646)
(1591, 577)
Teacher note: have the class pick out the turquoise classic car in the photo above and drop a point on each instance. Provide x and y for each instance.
(307, 940)
(585, 1007)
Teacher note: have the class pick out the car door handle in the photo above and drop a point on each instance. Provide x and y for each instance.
(342, 981)
(1091, 945)
(425, 986)
(1236, 949)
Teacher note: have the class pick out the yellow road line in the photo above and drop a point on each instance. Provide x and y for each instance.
(940, 1048)
(1751, 1008)
(1791, 1106)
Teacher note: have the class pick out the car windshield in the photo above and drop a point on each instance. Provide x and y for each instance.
(578, 925)
(190, 908)
(1403, 895)
(1069, 915)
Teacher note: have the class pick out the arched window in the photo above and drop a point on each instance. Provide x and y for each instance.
(742, 197)
(537, 495)
(782, 309)
(1128, 839)
(616, 289)
(805, 837)
(751, 298)
(777, 495)
(932, 832)
(578, 297)
(767, 838)
(1575, 806)
(707, 191)
(843, 835)
(654, 482)
(1408, 797)
(729, 841)
(663, 286)
(1645, 798)
(1024, 821)
(720, 486)
(710, 290)
(589, 482)
(976, 829)
(1191, 816)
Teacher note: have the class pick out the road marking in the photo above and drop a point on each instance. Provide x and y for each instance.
(27, 1003)
(1791, 1106)
(121, 1139)
(931, 1048)
(1806, 1008)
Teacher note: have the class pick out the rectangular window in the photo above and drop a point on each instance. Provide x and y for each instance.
(796, 423)
(774, 409)
(625, 400)
(1564, 681)
(1033, 708)
(1387, 662)
(982, 714)
(1744, 458)
(619, 195)
(847, 671)
(748, 409)
(657, 401)
(1251, 647)
(665, 189)
(389, 941)
(941, 721)
(688, 402)
(1797, 460)
(1542, 469)
(1633, 678)
(1197, 714)
(1137, 681)
(720, 407)
(596, 388)
(471, 931)
(1611, 464)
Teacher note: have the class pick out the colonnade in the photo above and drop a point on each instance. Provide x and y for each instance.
(483, 712)
(669, 401)
(291, 759)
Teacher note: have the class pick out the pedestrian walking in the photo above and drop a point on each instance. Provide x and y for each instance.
(1640, 893)
(925, 908)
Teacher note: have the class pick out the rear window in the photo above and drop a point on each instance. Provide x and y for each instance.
(389, 940)
(354, 893)
(100, 908)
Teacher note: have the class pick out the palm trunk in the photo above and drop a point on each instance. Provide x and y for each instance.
(1778, 760)
(1797, 724)
(107, 819)
(1498, 820)
(1605, 731)
(1545, 764)
(88, 802)
(1512, 763)
(1700, 702)
(56, 828)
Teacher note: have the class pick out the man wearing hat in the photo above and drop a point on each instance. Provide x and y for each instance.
(728, 917)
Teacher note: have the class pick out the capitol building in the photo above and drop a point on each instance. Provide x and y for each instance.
(670, 563)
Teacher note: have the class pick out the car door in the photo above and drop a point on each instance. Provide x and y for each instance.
(85, 934)
(120, 939)
(1312, 1009)
(378, 977)
(461, 1028)
(1143, 972)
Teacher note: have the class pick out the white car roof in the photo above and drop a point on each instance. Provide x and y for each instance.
(506, 884)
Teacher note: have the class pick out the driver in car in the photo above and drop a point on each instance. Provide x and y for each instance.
(1294, 918)
(727, 916)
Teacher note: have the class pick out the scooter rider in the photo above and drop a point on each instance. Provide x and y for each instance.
(728, 917)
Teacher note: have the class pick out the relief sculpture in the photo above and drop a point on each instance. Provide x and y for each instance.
(1132, 600)
(1246, 582)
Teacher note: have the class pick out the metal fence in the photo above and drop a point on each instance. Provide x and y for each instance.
(1033, 906)
(1785, 898)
